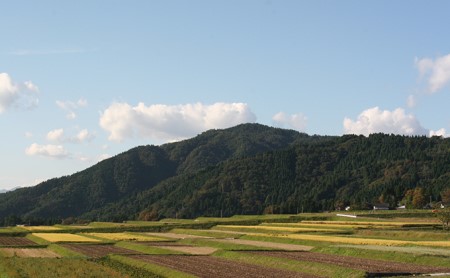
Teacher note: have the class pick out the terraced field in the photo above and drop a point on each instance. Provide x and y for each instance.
(98, 250)
(205, 266)
(15, 241)
(276, 247)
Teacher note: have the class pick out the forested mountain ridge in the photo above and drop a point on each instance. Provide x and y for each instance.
(138, 169)
(247, 169)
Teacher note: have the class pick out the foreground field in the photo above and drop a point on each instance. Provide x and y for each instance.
(240, 246)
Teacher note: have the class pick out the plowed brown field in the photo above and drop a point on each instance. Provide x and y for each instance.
(371, 266)
(15, 241)
(97, 250)
(206, 266)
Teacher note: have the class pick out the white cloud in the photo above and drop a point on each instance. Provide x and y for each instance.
(441, 132)
(21, 95)
(166, 122)
(28, 134)
(56, 135)
(82, 136)
(295, 121)
(374, 120)
(436, 72)
(52, 151)
(70, 107)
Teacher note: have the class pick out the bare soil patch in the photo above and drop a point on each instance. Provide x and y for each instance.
(29, 253)
(206, 266)
(15, 241)
(175, 236)
(368, 265)
(283, 246)
(98, 250)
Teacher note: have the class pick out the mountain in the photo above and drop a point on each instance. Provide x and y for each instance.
(246, 169)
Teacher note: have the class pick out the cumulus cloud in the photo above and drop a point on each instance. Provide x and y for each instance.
(170, 122)
(295, 121)
(436, 72)
(374, 120)
(71, 106)
(52, 151)
(21, 95)
(441, 132)
(57, 135)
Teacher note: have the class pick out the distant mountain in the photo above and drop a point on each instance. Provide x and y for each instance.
(246, 169)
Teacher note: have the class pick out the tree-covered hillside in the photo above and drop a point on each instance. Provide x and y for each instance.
(248, 169)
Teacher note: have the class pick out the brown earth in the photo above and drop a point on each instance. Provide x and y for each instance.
(283, 246)
(15, 241)
(98, 250)
(206, 266)
(368, 265)
(29, 253)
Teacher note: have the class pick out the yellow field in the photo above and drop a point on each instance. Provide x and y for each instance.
(277, 228)
(63, 237)
(125, 236)
(363, 241)
(40, 228)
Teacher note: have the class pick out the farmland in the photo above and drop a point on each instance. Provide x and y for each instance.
(250, 246)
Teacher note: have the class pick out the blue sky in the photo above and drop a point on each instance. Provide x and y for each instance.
(84, 80)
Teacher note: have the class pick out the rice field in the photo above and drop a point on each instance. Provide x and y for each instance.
(125, 237)
(363, 241)
(64, 237)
